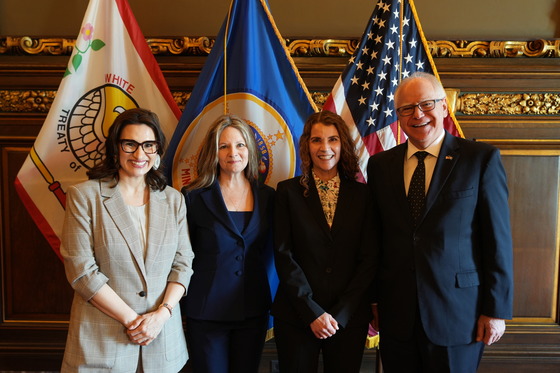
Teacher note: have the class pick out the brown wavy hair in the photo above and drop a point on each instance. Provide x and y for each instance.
(208, 167)
(108, 167)
(347, 166)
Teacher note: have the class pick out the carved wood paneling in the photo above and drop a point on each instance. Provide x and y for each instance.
(36, 288)
(511, 102)
(533, 179)
(195, 46)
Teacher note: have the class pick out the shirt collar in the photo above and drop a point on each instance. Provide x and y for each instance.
(333, 181)
(433, 149)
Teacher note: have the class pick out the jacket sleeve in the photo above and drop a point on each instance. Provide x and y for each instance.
(292, 278)
(82, 270)
(497, 252)
(181, 270)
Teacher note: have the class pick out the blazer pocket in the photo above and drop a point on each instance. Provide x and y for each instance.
(456, 194)
(467, 279)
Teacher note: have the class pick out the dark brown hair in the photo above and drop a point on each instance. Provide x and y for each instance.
(109, 166)
(347, 166)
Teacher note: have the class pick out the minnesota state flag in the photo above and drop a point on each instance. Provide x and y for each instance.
(249, 73)
(111, 69)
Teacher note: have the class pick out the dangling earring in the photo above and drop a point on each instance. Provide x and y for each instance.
(157, 162)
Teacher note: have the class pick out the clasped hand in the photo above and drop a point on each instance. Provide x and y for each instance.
(145, 328)
(324, 326)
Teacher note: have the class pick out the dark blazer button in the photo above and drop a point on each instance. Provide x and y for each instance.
(238, 258)
(239, 273)
(142, 293)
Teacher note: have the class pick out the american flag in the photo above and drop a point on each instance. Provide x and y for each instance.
(364, 94)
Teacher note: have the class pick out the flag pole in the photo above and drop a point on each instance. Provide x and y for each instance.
(226, 37)
(401, 37)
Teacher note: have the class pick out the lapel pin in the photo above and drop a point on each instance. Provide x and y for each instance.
(448, 157)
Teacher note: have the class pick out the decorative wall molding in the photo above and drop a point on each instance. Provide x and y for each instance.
(515, 104)
(31, 101)
(201, 46)
(509, 104)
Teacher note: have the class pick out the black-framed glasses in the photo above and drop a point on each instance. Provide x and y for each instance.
(130, 146)
(428, 105)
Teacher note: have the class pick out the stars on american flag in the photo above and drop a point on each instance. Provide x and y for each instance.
(391, 48)
(374, 69)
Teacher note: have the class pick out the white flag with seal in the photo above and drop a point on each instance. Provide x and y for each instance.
(111, 69)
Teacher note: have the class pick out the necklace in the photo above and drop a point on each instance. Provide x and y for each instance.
(227, 193)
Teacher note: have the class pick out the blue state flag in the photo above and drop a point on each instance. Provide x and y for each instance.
(249, 73)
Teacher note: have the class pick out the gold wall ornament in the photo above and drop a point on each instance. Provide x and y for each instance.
(36, 46)
(533, 48)
(181, 99)
(461, 48)
(197, 46)
(40, 101)
(179, 46)
(320, 98)
(519, 104)
(34, 101)
(321, 47)
(509, 104)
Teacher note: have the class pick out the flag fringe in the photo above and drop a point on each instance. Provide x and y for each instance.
(288, 56)
(431, 60)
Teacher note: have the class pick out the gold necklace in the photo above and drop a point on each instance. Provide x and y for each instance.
(230, 202)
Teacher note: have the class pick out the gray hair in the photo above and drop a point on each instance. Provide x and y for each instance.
(434, 81)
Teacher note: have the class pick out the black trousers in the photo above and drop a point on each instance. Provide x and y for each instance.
(298, 349)
(226, 347)
(420, 355)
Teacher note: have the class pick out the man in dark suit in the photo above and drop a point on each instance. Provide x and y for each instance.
(445, 272)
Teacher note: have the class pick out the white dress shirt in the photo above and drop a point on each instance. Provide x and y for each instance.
(410, 161)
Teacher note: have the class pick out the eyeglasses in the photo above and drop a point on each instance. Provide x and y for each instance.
(130, 146)
(428, 105)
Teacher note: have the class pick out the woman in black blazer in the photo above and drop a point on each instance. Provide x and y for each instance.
(323, 255)
(229, 216)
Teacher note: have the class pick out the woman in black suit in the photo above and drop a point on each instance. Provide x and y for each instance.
(323, 255)
(229, 215)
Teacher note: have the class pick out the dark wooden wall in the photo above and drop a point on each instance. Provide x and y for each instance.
(35, 297)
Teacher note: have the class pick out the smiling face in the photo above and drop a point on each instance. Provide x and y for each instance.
(422, 127)
(324, 149)
(138, 163)
(233, 154)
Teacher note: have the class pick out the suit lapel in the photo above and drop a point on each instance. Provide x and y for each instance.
(395, 178)
(254, 221)
(213, 199)
(118, 211)
(447, 159)
(157, 216)
(344, 205)
(314, 205)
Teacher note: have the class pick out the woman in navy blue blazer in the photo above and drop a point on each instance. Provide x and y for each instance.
(229, 215)
(324, 256)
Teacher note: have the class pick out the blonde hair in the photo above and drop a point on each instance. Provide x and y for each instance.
(208, 167)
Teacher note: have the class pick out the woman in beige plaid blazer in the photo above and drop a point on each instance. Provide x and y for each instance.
(128, 256)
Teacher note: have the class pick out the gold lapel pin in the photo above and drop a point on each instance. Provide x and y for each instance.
(448, 157)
